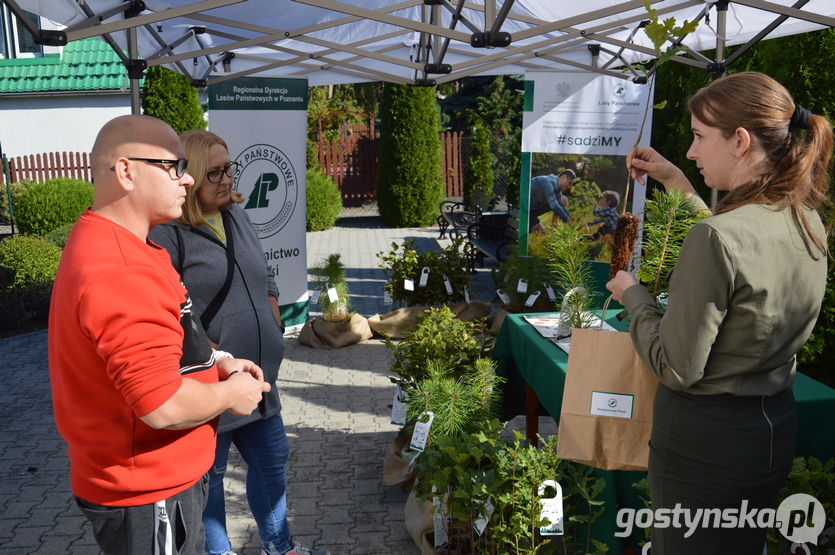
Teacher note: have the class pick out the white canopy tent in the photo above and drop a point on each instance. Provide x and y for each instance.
(420, 42)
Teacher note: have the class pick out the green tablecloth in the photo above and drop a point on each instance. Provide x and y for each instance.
(524, 356)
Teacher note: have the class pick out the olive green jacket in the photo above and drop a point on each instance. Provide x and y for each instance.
(744, 296)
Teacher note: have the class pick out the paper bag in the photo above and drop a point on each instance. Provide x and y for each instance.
(606, 416)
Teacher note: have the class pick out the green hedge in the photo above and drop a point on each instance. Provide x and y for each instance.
(49, 205)
(34, 260)
(479, 172)
(410, 182)
(169, 96)
(324, 201)
(16, 189)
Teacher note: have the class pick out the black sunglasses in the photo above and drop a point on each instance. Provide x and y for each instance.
(180, 165)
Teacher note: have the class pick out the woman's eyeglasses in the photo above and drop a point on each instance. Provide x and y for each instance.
(215, 176)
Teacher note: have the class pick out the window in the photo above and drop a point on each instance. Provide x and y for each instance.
(16, 41)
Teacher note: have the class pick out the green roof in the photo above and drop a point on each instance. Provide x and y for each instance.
(84, 65)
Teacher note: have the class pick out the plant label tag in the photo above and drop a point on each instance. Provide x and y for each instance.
(481, 524)
(424, 276)
(440, 523)
(448, 285)
(387, 296)
(314, 297)
(532, 299)
(503, 296)
(551, 510)
(333, 296)
(550, 291)
(611, 404)
(399, 406)
(522, 286)
(408, 285)
(421, 433)
(506, 278)
(467, 295)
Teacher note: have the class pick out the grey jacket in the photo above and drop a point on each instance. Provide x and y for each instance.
(244, 326)
(744, 296)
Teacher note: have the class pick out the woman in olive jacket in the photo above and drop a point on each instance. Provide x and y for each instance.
(743, 298)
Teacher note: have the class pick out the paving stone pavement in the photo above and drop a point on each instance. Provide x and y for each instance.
(334, 408)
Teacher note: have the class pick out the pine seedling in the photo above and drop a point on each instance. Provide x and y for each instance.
(569, 251)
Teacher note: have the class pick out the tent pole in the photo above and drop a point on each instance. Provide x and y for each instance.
(133, 54)
(721, 31)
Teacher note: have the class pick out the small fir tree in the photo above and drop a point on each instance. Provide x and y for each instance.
(169, 96)
(479, 171)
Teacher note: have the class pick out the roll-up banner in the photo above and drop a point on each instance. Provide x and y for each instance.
(264, 122)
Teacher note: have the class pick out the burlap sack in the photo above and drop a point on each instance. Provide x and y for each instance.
(333, 335)
(396, 324)
(420, 525)
(396, 468)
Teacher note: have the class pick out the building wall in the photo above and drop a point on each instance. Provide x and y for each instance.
(40, 124)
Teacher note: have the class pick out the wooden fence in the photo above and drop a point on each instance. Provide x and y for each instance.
(352, 163)
(40, 167)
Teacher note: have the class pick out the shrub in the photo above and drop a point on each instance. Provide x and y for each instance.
(479, 172)
(410, 182)
(169, 96)
(59, 236)
(17, 189)
(33, 259)
(324, 201)
(49, 205)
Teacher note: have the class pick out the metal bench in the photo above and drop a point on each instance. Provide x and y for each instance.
(492, 240)
(460, 215)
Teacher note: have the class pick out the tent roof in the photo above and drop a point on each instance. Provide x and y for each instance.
(411, 41)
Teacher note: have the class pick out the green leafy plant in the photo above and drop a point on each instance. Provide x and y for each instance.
(440, 337)
(169, 96)
(479, 171)
(324, 201)
(15, 190)
(52, 204)
(535, 270)
(667, 220)
(410, 182)
(330, 274)
(568, 251)
(34, 260)
(406, 262)
(59, 235)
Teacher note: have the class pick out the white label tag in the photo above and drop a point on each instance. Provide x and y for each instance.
(408, 285)
(399, 406)
(550, 291)
(440, 521)
(481, 524)
(421, 433)
(467, 295)
(333, 296)
(314, 297)
(448, 285)
(611, 404)
(551, 510)
(424, 277)
(532, 299)
(522, 286)
(503, 296)
(387, 296)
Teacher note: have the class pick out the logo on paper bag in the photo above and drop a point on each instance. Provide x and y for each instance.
(267, 180)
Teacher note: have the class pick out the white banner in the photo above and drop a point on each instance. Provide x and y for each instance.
(264, 122)
(584, 113)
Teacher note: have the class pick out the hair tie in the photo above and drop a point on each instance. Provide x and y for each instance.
(800, 117)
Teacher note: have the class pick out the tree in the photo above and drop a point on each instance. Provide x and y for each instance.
(169, 96)
(479, 171)
(410, 182)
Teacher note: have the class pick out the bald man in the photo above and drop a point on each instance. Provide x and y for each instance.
(136, 386)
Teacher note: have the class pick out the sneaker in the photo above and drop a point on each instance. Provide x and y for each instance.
(299, 550)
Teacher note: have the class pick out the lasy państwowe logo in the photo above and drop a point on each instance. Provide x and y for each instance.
(267, 180)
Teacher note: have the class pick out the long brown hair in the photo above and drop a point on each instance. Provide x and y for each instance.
(197, 143)
(795, 172)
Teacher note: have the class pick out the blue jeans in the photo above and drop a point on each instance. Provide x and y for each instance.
(264, 447)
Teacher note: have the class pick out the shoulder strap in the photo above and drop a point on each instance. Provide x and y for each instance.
(211, 310)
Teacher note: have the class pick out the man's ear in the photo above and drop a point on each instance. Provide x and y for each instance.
(124, 174)
(742, 142)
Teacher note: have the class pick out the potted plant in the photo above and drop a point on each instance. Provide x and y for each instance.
(339, 326)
